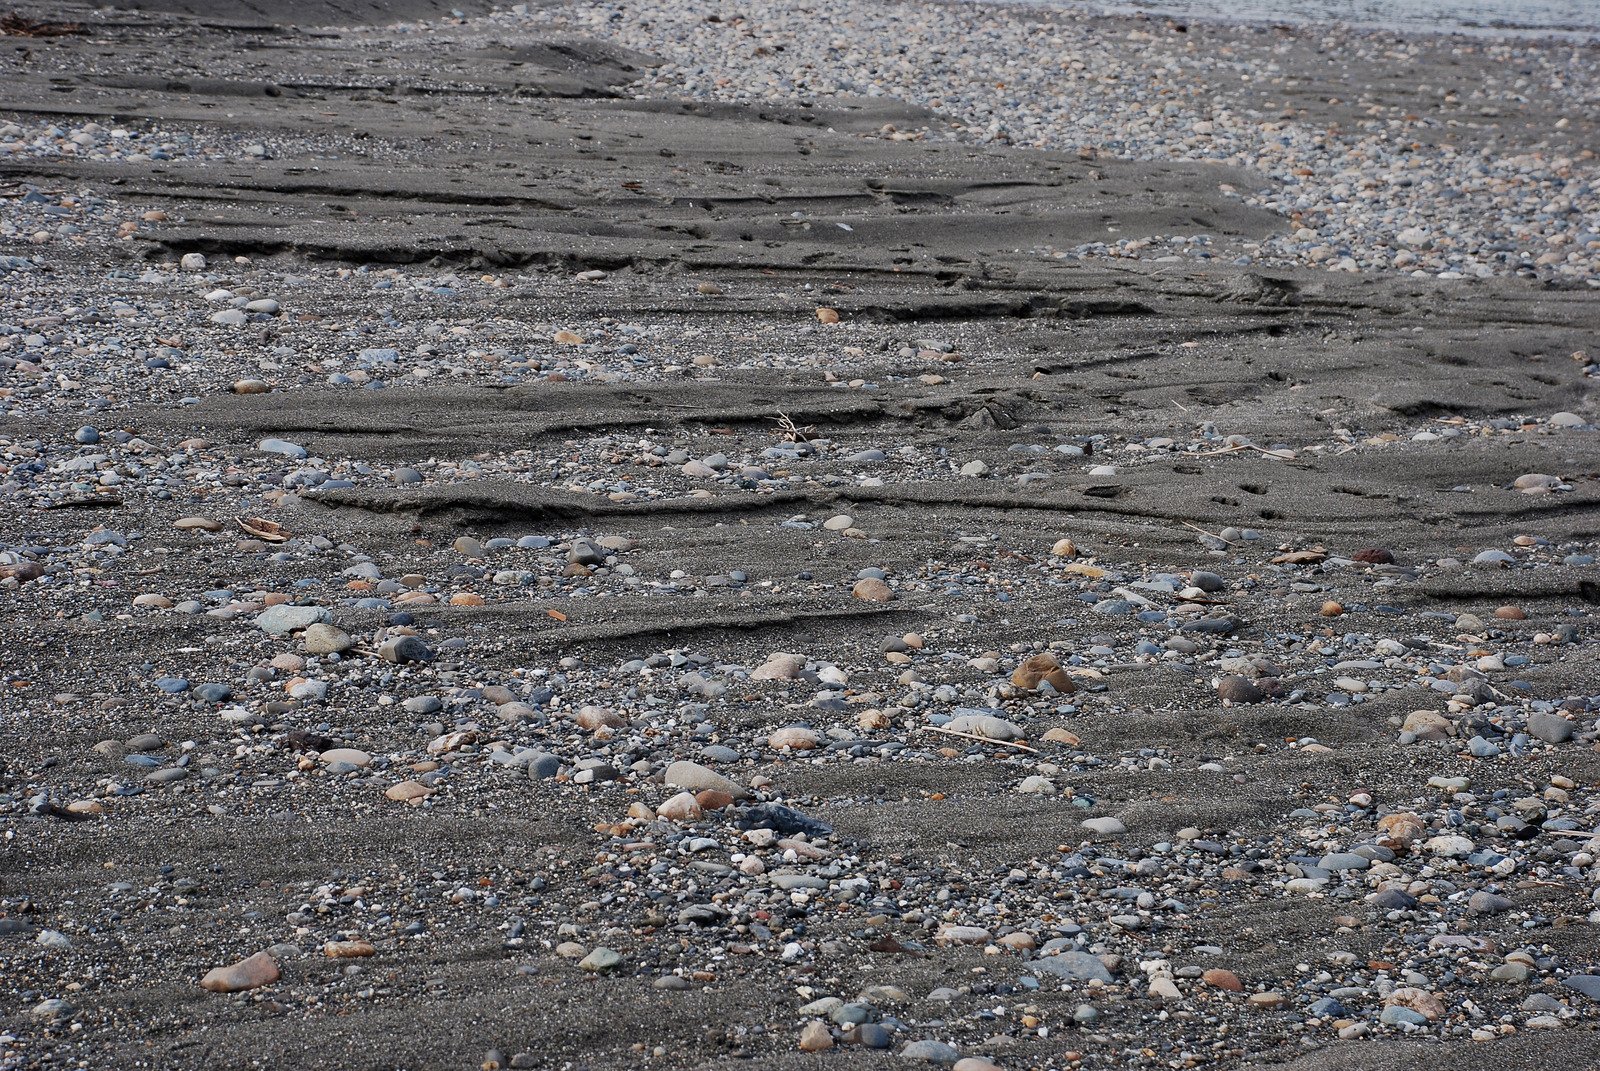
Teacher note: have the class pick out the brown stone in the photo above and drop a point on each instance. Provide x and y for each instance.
(1222, 979)
(406, 791)
(250, 973)
(815, 1037)
(1043, 668)
(592, 718)
(872, 590)
(711, 800)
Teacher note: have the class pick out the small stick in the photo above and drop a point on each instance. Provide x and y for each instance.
(981, 739)
(1202, 531)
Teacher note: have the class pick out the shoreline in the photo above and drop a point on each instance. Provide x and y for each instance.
(1536, 34)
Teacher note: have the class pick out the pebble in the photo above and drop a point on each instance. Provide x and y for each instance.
(253, 972)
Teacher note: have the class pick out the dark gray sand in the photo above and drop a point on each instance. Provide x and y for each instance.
(623, 457)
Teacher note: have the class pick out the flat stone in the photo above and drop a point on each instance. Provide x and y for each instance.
(1219, 978)
(795, 738)
(406, 791)
(987, 726)
(321, 638)
(962, 935)
(1072, 965)
(815, 1037)
(1237, 689)
(872, 590)
(601, 960)
(933, 1052)
(1551, 728)
(285, 618)
(697, 778)
(1587, 984)
(252, 972)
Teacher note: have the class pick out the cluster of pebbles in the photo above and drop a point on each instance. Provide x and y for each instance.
(277, 662)
(1432, 174)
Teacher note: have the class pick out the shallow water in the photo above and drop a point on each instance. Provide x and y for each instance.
(1580, 18)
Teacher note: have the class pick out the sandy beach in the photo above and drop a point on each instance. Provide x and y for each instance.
(576, 536)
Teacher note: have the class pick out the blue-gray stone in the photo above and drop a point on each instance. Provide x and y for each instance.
(933, 1052)
(284, 447)
(285, 618)
(1072, 965)
(1395, 1015)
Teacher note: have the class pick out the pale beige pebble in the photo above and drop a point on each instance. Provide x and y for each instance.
(803, 849)
(827, 316)
(641, 810)
(1268, 1001)
(593, 718)
(1534, 483)
(348, 949)
(794, 737)
(1165, 989)
(681, 808)
(86, 807)
(197, 524)
(872, 719)
(697, 778)
(708, 289)
(838, 522)
(1061, 736)
(251, 386)
(897, 658)
(913, 641)
(1420, 1001)
(407, 791)
(1064, 548)
(323, 638)
(354, 756)
(779, 667)
(288, 661)
(1428, 725)
(571, 950)
(567, 338)
(975, 1063)
(815, 1037)
(872, 589)
(161, 602)
(951, 934)
(1018, 940)
(452, 741)
(252, 972)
